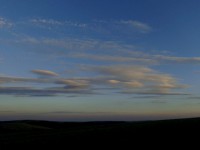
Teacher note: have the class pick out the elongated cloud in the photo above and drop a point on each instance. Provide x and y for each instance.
(46, 21)
(76, 83)
(53, 86)
(53, 22)
(173, 59)
(119, 59)
(143, 58)
(32, 91)
(143, 27)
(45, 73)
(116, 51)
(95, 25)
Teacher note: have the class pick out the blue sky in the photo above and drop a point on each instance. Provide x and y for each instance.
(92, 60)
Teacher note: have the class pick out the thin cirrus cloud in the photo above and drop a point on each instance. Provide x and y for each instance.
(45, 21)
(78, 44)
(52, 22)
(123, 52)
(189, 60)
(96, 25)
(116, 51)
(4, 23)
(112, 58)
(143, 58)
(84, 49)
(142, 27)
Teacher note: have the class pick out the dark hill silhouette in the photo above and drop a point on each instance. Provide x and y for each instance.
(47, 133)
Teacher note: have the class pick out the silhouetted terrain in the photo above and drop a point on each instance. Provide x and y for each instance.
(45, 133)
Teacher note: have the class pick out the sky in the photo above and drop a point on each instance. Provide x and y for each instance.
(108, 60)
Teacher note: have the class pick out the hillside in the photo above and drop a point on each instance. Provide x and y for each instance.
(45, 133)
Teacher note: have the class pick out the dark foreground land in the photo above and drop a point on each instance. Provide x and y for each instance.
(48, 134)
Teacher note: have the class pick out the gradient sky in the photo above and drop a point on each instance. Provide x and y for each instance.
(89, 60)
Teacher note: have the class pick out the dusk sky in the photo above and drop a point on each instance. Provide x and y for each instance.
(94, 60)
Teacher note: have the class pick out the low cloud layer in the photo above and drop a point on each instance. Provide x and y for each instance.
(121, 79)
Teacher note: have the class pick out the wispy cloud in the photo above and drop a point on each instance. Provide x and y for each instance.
(138, 25)
(5, 23)
(115, 51)
(134, 24)
(132, 56)
(53, 22)
(95, 26)
(47, 22)
(31, 91)
(79, 46)
(112, 58)
(110, 52)
(173, 59)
